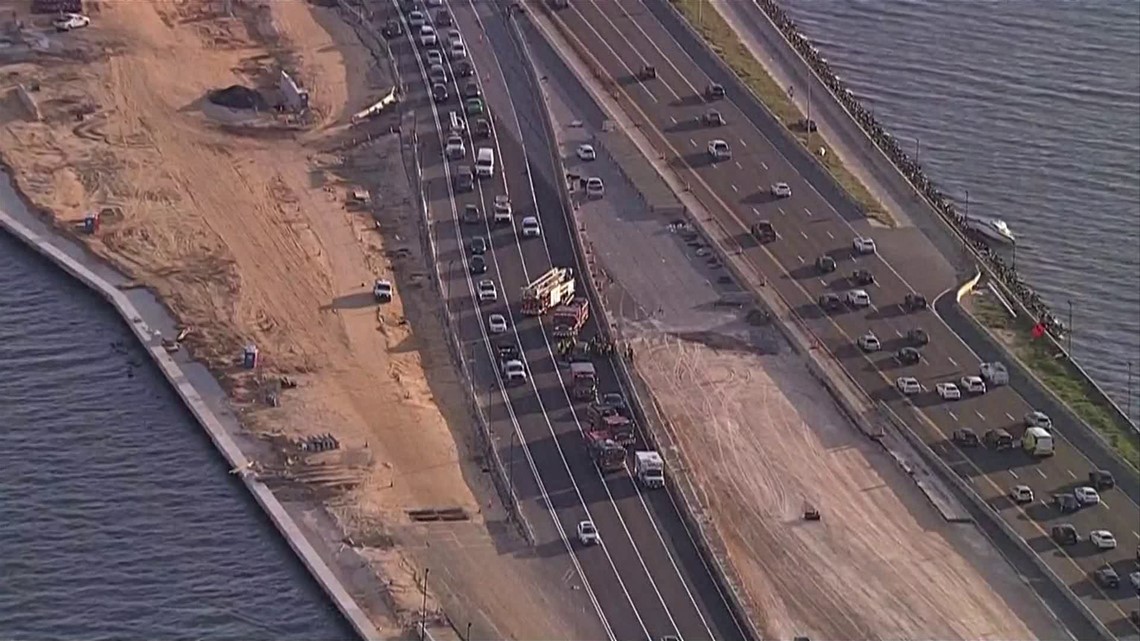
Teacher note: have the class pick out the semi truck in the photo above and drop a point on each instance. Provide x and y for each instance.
(649, 469)
(607, 454)
(585, 381)
(571, 317)
(554, 288)
(1038, 442)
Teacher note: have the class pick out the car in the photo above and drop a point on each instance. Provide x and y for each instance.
(781, 190)
(830, 302)
(502, 208)
(648, 72)
(712, 118)
(530, 227)
(965, 437)
(507, 351)
(862, 277)
(481, 128)
(858, 298)
(908, 385)
(435, 3)
(1038, 419)
(1065, 534)
(433, 57)
(1086, 496)
(1134, 579)
(973, 384)
(478, 245)
(948, 391)
(586, 152)
(472, 215)
(718, 150)
(487, 291)
(471, 90)
(1106, 577)
(1134, 617)
(436, 73)
(497, 323)
(863, 245)
(714, 91)
(764, 232)
(917, 337)
(1104, 480)
(393, 28)
(1066, 503)
(443, 18)
(869, 342)
(587, 533)
(825, 264)
(474, 106)
(477, 265)
(908, 356)
(514, 371)
(452, 36)
(427, 36)
(1021, 494)
(995, 373)
(807, 124)
(417, 19)
(463, 69)
(458, 51)
(382, 290)
(439, 92)
(71, 21)
(998, 439)
(464, 179)
(454, 148)
(595, 188)
(914, 302)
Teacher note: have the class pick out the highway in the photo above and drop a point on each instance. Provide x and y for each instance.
(622, 36)
(646, 579)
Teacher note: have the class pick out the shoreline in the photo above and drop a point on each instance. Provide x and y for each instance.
(146, 322)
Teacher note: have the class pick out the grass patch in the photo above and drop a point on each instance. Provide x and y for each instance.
(720, 37)
(1057, 374)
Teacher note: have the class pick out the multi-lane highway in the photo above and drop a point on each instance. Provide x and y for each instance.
(620, 37)
(646, 579)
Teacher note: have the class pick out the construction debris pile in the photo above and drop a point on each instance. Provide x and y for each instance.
(238, 97)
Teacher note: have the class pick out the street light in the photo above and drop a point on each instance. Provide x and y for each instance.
(423, 609)
(1069, 332)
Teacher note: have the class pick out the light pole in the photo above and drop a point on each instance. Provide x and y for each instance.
(511, 468)
(468, 636)
(917, 150)
(423, 609)
(1069, 332)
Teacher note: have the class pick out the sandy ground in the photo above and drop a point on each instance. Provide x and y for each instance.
(239, 223)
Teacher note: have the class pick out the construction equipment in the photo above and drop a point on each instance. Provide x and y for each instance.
(608, 419)
(571, 317)
(810, 512)
(649, 469)
(585, 381)
(548, 291)
(608, 455)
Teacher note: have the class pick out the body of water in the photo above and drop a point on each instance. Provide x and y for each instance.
(118, 518)
(1033, 107)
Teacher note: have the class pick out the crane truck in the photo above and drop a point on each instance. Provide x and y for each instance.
(554, 288)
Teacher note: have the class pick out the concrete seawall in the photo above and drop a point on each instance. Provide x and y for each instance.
(50, 246)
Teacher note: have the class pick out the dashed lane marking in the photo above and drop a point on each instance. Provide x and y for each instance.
(1013, 474)
(1041, 473)
(1010, 416)
(807, 211)
(764, 165)
(1071, 473)
(830, 236)
(734, 188)
(952, 415)
(981, 416)
(803, 234)
(952, 361)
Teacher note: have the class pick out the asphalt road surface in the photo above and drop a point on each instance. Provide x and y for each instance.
(646, 579)
(622, 36)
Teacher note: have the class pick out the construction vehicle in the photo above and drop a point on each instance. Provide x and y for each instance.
(585, 381)
(554, 288)
(608, 455)
(571, 317)
(605, 418)
(649, 469)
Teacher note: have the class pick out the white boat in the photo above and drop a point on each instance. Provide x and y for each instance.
(992, 228)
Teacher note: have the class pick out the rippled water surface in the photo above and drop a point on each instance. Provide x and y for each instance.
(118, 519)
(1034, 107)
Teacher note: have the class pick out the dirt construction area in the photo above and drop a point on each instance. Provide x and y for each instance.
(240, 220)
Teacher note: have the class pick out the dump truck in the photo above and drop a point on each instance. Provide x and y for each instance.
(554, 288)
(571, 317)
(608, 455)
(607, 419)
(649, 469)
(585, 381)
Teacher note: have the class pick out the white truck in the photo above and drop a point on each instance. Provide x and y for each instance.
(995, 374)
(1038, 442)
(649, 469)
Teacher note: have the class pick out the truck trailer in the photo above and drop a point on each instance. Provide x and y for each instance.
(554, 288)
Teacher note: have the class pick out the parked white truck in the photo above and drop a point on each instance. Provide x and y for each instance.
(649, 469)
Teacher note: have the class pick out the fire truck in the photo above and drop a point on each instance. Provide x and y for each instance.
(571, 317)
(554, 288)
(608, 419)
(608, 455)
(585, 381)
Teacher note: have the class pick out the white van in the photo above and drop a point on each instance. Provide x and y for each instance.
(485, 162)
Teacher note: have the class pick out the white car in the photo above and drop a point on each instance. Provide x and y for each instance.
(514, 371)
(863, 245)
(718, 150)
(502, 208)
(587, 533)
(453, 37)
(595, 188)
(427, 36)
(497, 323)
(1038, 419)
(417, 19)
(433, 57)
(1086, 496)
(487, 291)
(782, 190)
(1103, 539)
(1135, 579)
(586, 153)
(71, 21)
(382, 290)
(858, 298)
(948, 391)
(530, 227)
(458, 51)
(973, 384)
(435, 3)
(908, 385)
(455, 149)
(1021, 494)
(869, 342)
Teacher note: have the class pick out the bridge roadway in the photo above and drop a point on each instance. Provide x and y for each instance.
(623, 35)
(646, 579)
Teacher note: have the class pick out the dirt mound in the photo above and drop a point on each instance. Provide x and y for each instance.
(238, 97)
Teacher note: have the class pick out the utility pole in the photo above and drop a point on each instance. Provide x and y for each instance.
(423, 609)
(1069, 332)
(468, 636)
(511, 468)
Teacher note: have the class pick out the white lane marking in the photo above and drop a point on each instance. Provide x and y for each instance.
(692, 142)
(980, 416)
(1136, 534)
(1013, 474)
(823, 282)
(742, 143)
(800, 257)
(952, 361)
(1071, 473)
(734, 188)
(1010, 416)
(952, 415)
(755, 212)
(738, 165)
(781, 210)
(764, 165)
(803, 234)
(807, 211)
(673, 119)
(830, 236)
(898, 333)
(1041, 473)
(1104, 504)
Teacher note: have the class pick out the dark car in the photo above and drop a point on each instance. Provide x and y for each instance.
(471, 90)
(917, 337)
(714, 92)
(439, 92)
(478, 245)
(443, 18)
(436, 73)
(825, 264)
(471, 214)
(1106, 577)
(914, 302)
(998, 439)
(908, 356)
(862, 277)
(1102, 480)
(831, 302)
(966, 437)
(481, 128)
(478, 265)
(1065, 534)
(1066, 503)
(393, 28)
(463, 69)
(507, 352)
(464, 179)
(804, 124)
(764, 232)
(712, 118)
